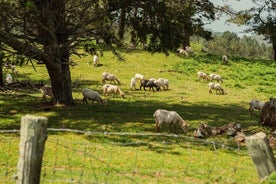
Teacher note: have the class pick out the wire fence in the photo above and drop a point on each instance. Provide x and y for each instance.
(75, 156)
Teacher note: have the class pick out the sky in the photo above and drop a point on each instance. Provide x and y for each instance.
(221, 25)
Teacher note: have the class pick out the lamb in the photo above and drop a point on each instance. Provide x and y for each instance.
(203, 76)
(110, 77)
(169, 117)
(224, 59)
(150, 84)
(89, 94)
(166, 82)
(215, 86)
(132, 84)
(139, 76)
(215, 77)
(109, 89)
(256, 104)
(95, 60)
(46, 90)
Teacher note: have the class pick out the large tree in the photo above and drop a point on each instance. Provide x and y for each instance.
(49, 30)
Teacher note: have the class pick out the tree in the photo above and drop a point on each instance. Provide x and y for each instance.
(48, 31)
(261, 19)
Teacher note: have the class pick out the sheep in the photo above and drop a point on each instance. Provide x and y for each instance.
(89, 94)
(255, 104)
(182, 52)
(110, 77)
(217, 87)
(139, 76)
(169, 117)
(132, 84)
(162, 83)
(109, 89)
(189, 50)
(224, 59)
(215, 77)
(95, 60)
(9, 78)
(46, 90)
(203, 76)
(150, 84)
(166, 82)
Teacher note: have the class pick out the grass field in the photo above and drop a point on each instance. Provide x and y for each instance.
(244, 79)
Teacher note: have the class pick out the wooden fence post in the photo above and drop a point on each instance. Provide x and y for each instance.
(261, 154)
(33, 134)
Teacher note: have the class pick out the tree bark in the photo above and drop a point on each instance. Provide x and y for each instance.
(1, 65)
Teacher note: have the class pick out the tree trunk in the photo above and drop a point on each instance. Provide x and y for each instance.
(1, 65)
(274, 47)
(54, 40)
(121, 29)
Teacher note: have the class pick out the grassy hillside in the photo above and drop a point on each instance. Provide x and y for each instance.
(158, 160)
(243, 80)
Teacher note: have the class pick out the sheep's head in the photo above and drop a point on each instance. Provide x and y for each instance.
(184, 126)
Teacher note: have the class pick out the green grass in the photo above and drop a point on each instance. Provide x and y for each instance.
(243, 80)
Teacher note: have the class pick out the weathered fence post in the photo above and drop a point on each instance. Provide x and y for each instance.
(261, 154)
(33, 134)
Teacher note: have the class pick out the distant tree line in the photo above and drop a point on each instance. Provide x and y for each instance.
(231, 44)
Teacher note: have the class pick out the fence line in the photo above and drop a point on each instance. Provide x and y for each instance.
(87, 161)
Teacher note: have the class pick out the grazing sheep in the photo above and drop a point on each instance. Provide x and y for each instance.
(203, 76)
(95, 60)
(9, 78)
(215, 77)
(166, 82)
(182, 52)
(46, 90)
(217, 87)
(139, 76)
(110, 77)
(109, 89)
(256, 104)
(89, 94)
(162, 83)
(132, 84)
(150, 84)
(169, 117)
(224, 59)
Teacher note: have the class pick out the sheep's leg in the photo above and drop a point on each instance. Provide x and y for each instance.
(84, 100)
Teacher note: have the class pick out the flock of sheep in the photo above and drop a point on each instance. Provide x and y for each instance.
(161, 116)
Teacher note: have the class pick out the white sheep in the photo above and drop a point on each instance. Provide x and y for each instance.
(109, 89)
(217, 87)
(169, 117)
(9, 78)
(162, 83)
(139, 76)
(203, 76)
(255, 104)
(182, 52)
(110, 77)
(132, 83)
(224, 59)
(95, 60)
(215, 77)
(89, 94)
(167, 83)
(46, 90)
